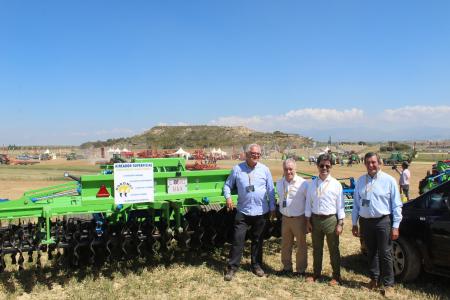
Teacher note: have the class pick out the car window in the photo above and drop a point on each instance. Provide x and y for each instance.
(435, 201)
(438, 199)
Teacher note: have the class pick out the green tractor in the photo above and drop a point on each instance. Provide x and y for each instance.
(71, 156)
(117, 158)
(396, 158)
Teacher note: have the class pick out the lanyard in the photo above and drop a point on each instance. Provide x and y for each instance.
(287, 189)
(250, 177)
(367, 189)
(318, 195)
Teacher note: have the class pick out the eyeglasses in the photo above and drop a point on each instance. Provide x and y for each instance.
(255, 154)
(324, 166)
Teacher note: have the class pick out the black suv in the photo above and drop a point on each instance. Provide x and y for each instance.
(424, 235)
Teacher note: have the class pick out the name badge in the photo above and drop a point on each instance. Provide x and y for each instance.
(365, 203)
(250, 188)
(284, 203)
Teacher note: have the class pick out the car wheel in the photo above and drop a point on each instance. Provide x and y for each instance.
(407, 260)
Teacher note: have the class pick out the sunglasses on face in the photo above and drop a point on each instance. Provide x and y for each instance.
(324, 166)
(255, 154)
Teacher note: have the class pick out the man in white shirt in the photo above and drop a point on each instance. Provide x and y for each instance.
(324, 212)
(291, 200)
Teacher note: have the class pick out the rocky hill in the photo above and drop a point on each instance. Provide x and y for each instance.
(170, 137)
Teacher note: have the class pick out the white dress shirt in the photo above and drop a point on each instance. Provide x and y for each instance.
(325, 197)
(293, 194)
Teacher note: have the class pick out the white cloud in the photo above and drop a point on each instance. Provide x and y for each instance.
(417, 115)
(405, 122)
(297, 119)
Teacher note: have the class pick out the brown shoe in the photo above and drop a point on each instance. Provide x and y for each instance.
(334, 282)
(258, 271)
(311, 279)
(229, 274)
(388, 292)
(372, 284)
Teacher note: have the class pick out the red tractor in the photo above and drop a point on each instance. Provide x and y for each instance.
(4, 159)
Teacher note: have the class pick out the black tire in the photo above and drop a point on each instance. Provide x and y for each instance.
(407, 260)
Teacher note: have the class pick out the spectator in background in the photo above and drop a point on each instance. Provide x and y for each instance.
(405, 175)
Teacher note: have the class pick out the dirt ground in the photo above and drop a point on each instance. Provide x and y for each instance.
(14, 181)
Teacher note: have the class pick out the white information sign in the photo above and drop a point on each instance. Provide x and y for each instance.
(133, 183)
(177, 185)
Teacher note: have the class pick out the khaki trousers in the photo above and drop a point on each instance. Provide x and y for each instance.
(325, 227)
(294, 227)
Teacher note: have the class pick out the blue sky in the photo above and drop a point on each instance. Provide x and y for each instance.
(74, 71)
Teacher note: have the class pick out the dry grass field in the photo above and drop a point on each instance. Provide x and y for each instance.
(196, 275)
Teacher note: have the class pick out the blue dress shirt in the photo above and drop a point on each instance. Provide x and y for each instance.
(376, 197)
(254, 201)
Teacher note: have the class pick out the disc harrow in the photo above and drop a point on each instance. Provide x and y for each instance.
(80, 223)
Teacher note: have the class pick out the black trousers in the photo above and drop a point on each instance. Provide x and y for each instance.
(376, 233)
(255, 225)
(405, 189)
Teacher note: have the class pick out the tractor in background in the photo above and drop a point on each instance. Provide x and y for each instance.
(71, 156)
(396, 158)
(4, 159)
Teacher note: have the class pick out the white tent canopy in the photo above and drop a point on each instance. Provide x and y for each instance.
(324, 151)
(181, 153)
(218, 152)
(223, 153)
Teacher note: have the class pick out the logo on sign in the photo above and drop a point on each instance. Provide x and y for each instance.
(177, 185)
(123, 189)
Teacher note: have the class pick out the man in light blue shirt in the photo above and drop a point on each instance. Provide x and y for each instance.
(256, 197)
(377, 205)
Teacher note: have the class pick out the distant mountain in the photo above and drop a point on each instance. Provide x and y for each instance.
(200, 136)
(381, 133)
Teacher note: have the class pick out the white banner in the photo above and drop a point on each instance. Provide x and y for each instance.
(133, 183)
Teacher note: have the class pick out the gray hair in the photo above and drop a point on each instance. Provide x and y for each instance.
(251, 146)
(290, 161)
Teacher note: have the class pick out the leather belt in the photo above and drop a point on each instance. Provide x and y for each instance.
(292, 216)
(323, 216)
(378, 218)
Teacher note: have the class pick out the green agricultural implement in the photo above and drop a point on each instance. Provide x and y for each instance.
(149, 208)
(439, 174)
